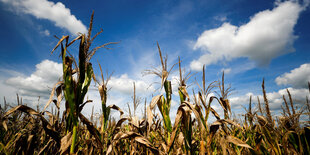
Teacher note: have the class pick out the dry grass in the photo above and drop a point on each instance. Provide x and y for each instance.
(28, 131)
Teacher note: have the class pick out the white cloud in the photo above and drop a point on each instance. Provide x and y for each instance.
(268, 34)
(46, 32)
(239, 101)
(275, 98)
(124, 84)
(226, 70)
(55, 12)
(40, 82)
(298, 77)
(7, 91)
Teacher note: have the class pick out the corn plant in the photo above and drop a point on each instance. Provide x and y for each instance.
(76, 89)
(162, 102)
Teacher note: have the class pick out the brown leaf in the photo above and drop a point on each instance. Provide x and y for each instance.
(197, 111)
(30, 143)
(51, 96)
(223, 144)
(113, 106)
(231, 122)
(60, 40)
(59, 94)
(4, 124)
(46, 126)
(91, 128)
(119, 123)
(42, 151)
(77, 38)
(182, 110)
(217, 116)
(153, 103)
(65, 143)
(164, 147)
(134, 121)
(142, 140)
(237, 141)
(51, 117)
(137, 137)
(262, 120)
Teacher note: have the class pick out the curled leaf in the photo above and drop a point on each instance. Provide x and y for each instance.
(237, 142)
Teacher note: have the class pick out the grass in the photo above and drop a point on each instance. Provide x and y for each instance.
(25, 130)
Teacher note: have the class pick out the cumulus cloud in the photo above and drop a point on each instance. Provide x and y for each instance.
(124, 84)
(275, 98)
(298, 77)
(55, 12)
(40, 82)
(268, 34)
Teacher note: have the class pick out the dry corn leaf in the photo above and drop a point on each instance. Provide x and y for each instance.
(180, 138)
(137, 137)
(164, 147)
(30, 143)
(203, 101)
(142, 140)
(196, 109)
(154, 102)
(223, 144)
(113, 106)
(179, 151)
(217, 116)
(134, 121)
(51, 117)
(42, 151)
(230, 122)
(117, 127)
(60, 41)
(51, 96)
(77, 38)
(4, 124)
(46, 126)
(225, 104)
(262, 120)
(59, 94)
(65, 143)
(182, 110)
(91, 128)
(119, 122)
(237, 141)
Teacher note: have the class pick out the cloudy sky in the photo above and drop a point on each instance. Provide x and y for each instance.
(249, 40)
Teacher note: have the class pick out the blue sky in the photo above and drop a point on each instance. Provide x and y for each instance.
(249, 40)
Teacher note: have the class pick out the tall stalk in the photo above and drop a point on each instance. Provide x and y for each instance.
(76, 89)
(164, 102)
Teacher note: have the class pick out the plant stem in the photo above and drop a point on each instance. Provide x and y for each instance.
(74, 137)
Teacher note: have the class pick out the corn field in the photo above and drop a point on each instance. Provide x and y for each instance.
(25, 130)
